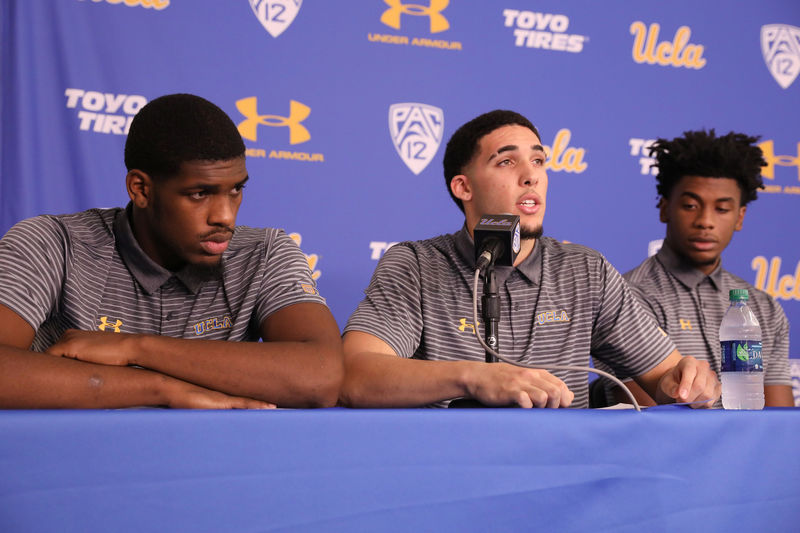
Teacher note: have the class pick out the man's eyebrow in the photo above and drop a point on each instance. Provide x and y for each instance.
(513, 147)
(690, 194)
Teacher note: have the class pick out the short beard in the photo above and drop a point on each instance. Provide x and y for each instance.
(530, 234)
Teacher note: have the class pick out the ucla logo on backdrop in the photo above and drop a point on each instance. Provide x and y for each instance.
(378, 248)
(416, 131)
(155, 4)
(312, 259)
(296, 129)
(396, 17)
(773, 160)
(275, 15)
(780, 45)
(640, 148)
(678, 53)
(545, 31)
(770, 280)
(107, 113)
(562, 156)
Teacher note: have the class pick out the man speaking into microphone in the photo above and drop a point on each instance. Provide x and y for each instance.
(411, 341)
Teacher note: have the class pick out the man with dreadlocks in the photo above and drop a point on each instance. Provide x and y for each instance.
(704, 183)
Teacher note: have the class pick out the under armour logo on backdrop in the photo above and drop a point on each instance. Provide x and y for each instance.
(416, 131)
(780, 44)
(391, 17)
(298, 112)
(275, 15)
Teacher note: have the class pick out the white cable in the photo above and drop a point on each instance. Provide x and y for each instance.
(542, 367)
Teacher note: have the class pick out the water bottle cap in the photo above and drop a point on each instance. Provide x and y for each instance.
(738, 295)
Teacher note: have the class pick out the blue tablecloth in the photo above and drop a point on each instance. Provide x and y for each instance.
(400, 470)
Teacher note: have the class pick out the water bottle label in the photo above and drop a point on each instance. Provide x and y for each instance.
(741, 356)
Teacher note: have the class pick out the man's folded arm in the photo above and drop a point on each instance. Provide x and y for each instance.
(31, 380)
(298, 365)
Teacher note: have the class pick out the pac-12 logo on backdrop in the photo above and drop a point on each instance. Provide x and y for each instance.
(780, 44)
(275, 15)
(416, 131)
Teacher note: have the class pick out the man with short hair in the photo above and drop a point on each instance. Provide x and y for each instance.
(133, 307)
(705, 182)
(418, 305)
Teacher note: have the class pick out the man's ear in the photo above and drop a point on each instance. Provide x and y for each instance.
(461, 188)
(140, 188)
(663, 203)
(740, 219)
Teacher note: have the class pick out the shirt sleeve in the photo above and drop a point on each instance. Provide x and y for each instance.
(391, 309)
(776, 367)
(287, 278)
(32, 268)
(625, 336)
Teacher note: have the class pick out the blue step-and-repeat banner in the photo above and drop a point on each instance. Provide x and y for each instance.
(345, 106)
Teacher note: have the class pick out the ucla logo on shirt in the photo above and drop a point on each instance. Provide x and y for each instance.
(396, 17)
(312, 259)
(109, 325)
(212, 324)
(416, 131)
(275, 15)
(769, 172)
(296, 129)
(780, 45)
(102, 112)
(676, 53)
(549, 317)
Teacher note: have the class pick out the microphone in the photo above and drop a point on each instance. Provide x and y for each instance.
(497, 240)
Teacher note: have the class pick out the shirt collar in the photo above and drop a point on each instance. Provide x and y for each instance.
(149, 274)
(686, 273)
(531, 267)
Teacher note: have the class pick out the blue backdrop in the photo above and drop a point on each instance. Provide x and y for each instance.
(344, 107)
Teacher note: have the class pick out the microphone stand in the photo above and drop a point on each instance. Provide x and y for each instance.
(490, 303)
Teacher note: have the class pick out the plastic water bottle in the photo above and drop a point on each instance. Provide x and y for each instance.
(742, 368)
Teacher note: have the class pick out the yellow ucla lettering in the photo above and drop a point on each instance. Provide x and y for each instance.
(312, 259)
(769, 280)
(155, 4)
(678, 53)
(563, 157)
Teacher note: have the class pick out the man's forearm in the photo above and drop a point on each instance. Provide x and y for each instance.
(288, 374)
(30, 380)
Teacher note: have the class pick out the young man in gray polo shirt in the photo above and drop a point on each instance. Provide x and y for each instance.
(559, 302)
(133, 306)
(705, 183)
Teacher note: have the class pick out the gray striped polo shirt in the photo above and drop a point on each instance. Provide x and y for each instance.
(563, 302)
(689, 306)
(86, 271)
